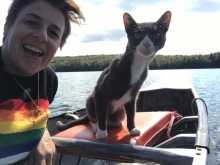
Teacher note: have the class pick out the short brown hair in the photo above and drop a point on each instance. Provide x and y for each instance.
(69, 8)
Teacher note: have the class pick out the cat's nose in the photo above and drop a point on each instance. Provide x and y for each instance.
(146, 45)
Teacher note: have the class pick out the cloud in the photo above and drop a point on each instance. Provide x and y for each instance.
(132, 5)
(206, 6)
(111, 35)
(96, 2)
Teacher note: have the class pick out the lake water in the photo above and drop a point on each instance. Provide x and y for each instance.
(74, 88)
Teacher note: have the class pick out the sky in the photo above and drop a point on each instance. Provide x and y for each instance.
(194, 28)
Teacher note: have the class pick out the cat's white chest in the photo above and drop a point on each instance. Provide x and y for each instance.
(121, 102)
(137, 67)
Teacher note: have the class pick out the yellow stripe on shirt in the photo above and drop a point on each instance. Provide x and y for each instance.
(22, 126)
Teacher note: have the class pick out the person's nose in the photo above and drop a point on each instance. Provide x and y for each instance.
(41, 35)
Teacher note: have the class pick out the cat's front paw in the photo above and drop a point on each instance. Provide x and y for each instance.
(100, 134)
(135, 131)
(94, 127)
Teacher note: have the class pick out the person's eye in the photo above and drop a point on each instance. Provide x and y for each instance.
(53, 33)
(31, 23)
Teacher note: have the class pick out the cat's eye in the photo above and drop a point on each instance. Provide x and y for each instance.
(137, 35)
(156, 35)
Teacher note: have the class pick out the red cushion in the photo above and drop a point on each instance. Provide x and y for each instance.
(152, 124)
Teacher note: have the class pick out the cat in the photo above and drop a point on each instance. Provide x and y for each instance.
(117, 88)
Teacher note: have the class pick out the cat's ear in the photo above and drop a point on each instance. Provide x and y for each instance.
(129, 23)
(164, 20)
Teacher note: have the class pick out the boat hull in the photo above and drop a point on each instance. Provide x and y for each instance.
(190, 141)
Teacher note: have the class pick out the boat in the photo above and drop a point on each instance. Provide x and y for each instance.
(174, 121)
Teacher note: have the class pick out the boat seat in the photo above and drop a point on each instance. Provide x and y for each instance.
(179, 141)
(153, 125)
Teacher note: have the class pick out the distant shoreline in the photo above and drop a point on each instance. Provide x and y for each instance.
(99, 62)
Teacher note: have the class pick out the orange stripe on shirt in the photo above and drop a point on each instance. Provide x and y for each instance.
(18, 104)
(15, 115)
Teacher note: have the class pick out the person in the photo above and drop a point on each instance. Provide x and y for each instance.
(33, 31)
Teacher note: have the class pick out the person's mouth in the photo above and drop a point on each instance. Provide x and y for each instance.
(33, 51)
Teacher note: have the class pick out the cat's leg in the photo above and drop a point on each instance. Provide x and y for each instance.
(90, 110)
(130, 110)
(101, 113)
(94, 127)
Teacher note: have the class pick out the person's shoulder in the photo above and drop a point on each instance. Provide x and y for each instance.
(50, 70)
(50, 74)
(51, 83)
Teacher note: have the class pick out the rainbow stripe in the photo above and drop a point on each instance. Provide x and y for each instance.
(21, 129)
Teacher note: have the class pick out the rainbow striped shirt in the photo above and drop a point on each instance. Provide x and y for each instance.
(21, 129)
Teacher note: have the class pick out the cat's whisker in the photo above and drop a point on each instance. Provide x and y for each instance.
(129, 55)
(131, 58)
(128, 58)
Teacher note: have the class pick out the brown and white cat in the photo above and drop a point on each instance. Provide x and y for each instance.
(117, 88)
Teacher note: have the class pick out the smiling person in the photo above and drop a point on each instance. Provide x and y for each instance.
(33, 31)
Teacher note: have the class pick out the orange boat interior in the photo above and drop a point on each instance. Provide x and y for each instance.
(153, 125)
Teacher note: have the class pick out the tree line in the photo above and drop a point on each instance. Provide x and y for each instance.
(99, 62)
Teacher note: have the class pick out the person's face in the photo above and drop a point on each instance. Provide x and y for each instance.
(33, 39)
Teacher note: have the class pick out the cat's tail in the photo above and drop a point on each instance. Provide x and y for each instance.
(82, 120)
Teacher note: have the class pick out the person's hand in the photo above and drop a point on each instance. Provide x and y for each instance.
(45, 152)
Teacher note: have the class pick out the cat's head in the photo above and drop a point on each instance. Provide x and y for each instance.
(147, 38)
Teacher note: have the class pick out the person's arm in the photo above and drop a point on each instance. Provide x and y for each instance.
(45, 152)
